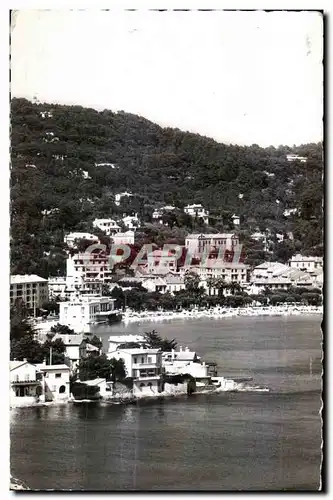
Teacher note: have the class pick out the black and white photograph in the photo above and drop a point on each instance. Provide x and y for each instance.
(167, 251)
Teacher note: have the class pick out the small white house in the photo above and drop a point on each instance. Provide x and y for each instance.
(197, 211)
(25, 383)
(126, 238)
(131, 221)
(56, 381)
(109, 226)
(105, 388)
(71, 238)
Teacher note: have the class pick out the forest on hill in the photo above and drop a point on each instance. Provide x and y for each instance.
(68, 162)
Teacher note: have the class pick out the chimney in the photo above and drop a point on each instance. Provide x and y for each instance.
(187, 349)
(172, 354)
(180, 348)
(25, 359)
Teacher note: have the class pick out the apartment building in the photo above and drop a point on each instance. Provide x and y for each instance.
(92, 267)
(31, 289)
(67, 287)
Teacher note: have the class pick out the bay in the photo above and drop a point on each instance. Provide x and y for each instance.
(220, 442)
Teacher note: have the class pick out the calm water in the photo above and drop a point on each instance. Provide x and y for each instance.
(226, 441)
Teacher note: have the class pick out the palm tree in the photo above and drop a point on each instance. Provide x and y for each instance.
(221, 285)
(211, 283)
(234, 286)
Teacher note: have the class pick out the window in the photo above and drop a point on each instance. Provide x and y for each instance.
(142, 359)
(58, 375)
(62, 389)
(27, 376)
(150, 359)
(135, 360)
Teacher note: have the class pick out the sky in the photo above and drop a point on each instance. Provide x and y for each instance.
(239, 77)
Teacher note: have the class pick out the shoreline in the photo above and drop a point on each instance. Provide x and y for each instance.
(219, 313)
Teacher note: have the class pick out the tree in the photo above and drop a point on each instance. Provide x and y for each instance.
(101, 367)
(26, 348)
(51, 306)
(95, 341)
(19, 323)
(29, 348)
(155, 341)
(234, 286)
(192, 281)
(62, 329)
(211, 283)
(221, 285)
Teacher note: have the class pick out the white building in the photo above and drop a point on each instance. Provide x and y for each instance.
(109, 226)
(197, 211)
(32, 290)
(89, 267)
(75, 347)
(25, 383)
(69, 287)
(236, 220)
(188, 362)
(293, 157)
(306, 263)
(72, 238)
(86, 310)
(126, 238)
(199, 244)
(290, 211)
(55, 381)
(161, 261)
(119, 196)
(144, 366)
(105, 388)
(131, 221)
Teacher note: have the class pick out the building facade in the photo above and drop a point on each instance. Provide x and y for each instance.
(306, 263)
(25, 383)
(55, 381)
(109, 226)
(201, 244)
(85, 310)
(91, 267)
(32, 290)
(144, 366)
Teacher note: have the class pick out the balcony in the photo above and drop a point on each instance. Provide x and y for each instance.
(147, 366)
(152, 376)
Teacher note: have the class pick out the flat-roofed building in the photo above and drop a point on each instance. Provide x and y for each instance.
(31, 289)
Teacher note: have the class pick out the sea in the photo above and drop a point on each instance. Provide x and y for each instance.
(239, 441)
